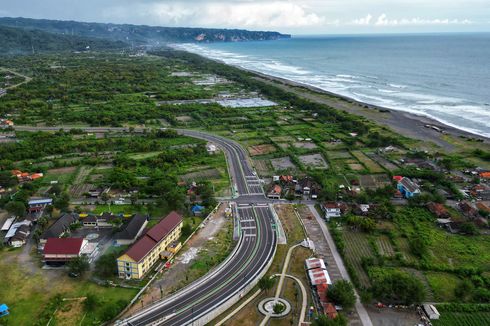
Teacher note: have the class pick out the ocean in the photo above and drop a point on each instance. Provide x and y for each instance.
(445, 76)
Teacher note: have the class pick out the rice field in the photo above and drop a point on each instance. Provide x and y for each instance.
(356, 247)
(384, 246)
(463, 319)
(372, 166)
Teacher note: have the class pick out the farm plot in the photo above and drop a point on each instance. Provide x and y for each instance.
(263, 167)
(462, 319)
(314, 160)
(372, 166)
(332, 145)
(383, 162)
(339, 155)
(79, 186)
(384, 246)
(62, 175)
(282, 139)
(305, 145)
(184, 118)
(261, 149)
(202, 175)
(284, 145)
(355, 166)
(282, 163)
(356, 247)
(405, 249)
(374, 181)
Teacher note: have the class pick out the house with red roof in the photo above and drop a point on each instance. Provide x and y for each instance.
(58, 251)
(160, 242)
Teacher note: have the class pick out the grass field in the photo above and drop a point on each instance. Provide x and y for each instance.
(372, 166)
(356, 247)
(33, 288)
(442, 285)
(463, 319)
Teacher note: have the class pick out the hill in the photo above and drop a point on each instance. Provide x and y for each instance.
(18, 41)
(140, 34)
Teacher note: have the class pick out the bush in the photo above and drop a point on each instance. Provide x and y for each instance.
(395, 286)
(342, 293)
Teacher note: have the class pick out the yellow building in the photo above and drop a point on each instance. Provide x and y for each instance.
(154, 245)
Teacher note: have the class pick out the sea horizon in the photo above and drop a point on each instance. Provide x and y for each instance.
(442, 76)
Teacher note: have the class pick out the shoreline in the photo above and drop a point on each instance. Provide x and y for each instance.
(428, 119)
(405, 123)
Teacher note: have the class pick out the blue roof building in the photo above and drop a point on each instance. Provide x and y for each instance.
(4, 310)
(197, 210)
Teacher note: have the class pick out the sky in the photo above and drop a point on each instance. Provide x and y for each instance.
(287, 16)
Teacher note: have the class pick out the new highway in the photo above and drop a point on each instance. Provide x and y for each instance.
(251, 256)
(255, 249)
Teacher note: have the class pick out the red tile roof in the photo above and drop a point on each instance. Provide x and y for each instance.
(485, 175)
(63, 246)
(165, 226)
(144, 245)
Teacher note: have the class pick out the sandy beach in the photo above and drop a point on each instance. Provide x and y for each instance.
(407, 124)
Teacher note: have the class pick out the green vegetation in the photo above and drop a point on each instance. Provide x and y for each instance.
(138, 34)
(342, 293)
(19, 41)
(33, 298)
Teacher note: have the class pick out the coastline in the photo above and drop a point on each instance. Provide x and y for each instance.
(405, 123)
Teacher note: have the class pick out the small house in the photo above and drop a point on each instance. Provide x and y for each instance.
(20, 237)
(197, 210)
(211, 148)
(38, 204)
(60, 227)
(59, 251)
(331, 209)
(131, 231)
(4, 310)
(438, 210)
(431, 311)
(275, 192)
(408, 188)
(467, 209)
(18, 229)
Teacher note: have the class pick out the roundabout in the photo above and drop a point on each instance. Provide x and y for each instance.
(274, 307)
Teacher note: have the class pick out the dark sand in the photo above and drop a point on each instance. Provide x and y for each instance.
(407, 124)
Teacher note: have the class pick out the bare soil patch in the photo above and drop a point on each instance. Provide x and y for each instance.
(282, 163)
(356, 166)
(261, 149)
(314, 160)
(305, 145)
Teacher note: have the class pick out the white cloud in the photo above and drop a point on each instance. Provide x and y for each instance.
(224, 14)
(363, 21)
(383, 20)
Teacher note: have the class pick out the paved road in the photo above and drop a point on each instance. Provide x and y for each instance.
(254, 250)
(361, 311)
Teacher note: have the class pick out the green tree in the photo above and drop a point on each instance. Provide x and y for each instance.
(7, 180)
(78, 265)
(62, 202)
(266, 283)
(278, 308)
(16, 208)
(91, 302)
(186, 230)
(469, 228)
(322, 320)
(342, 293)
(395, 286)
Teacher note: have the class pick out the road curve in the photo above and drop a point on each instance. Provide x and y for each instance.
(251, 256)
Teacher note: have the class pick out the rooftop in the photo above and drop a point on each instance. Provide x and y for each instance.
(63, 246)
(144, 245)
